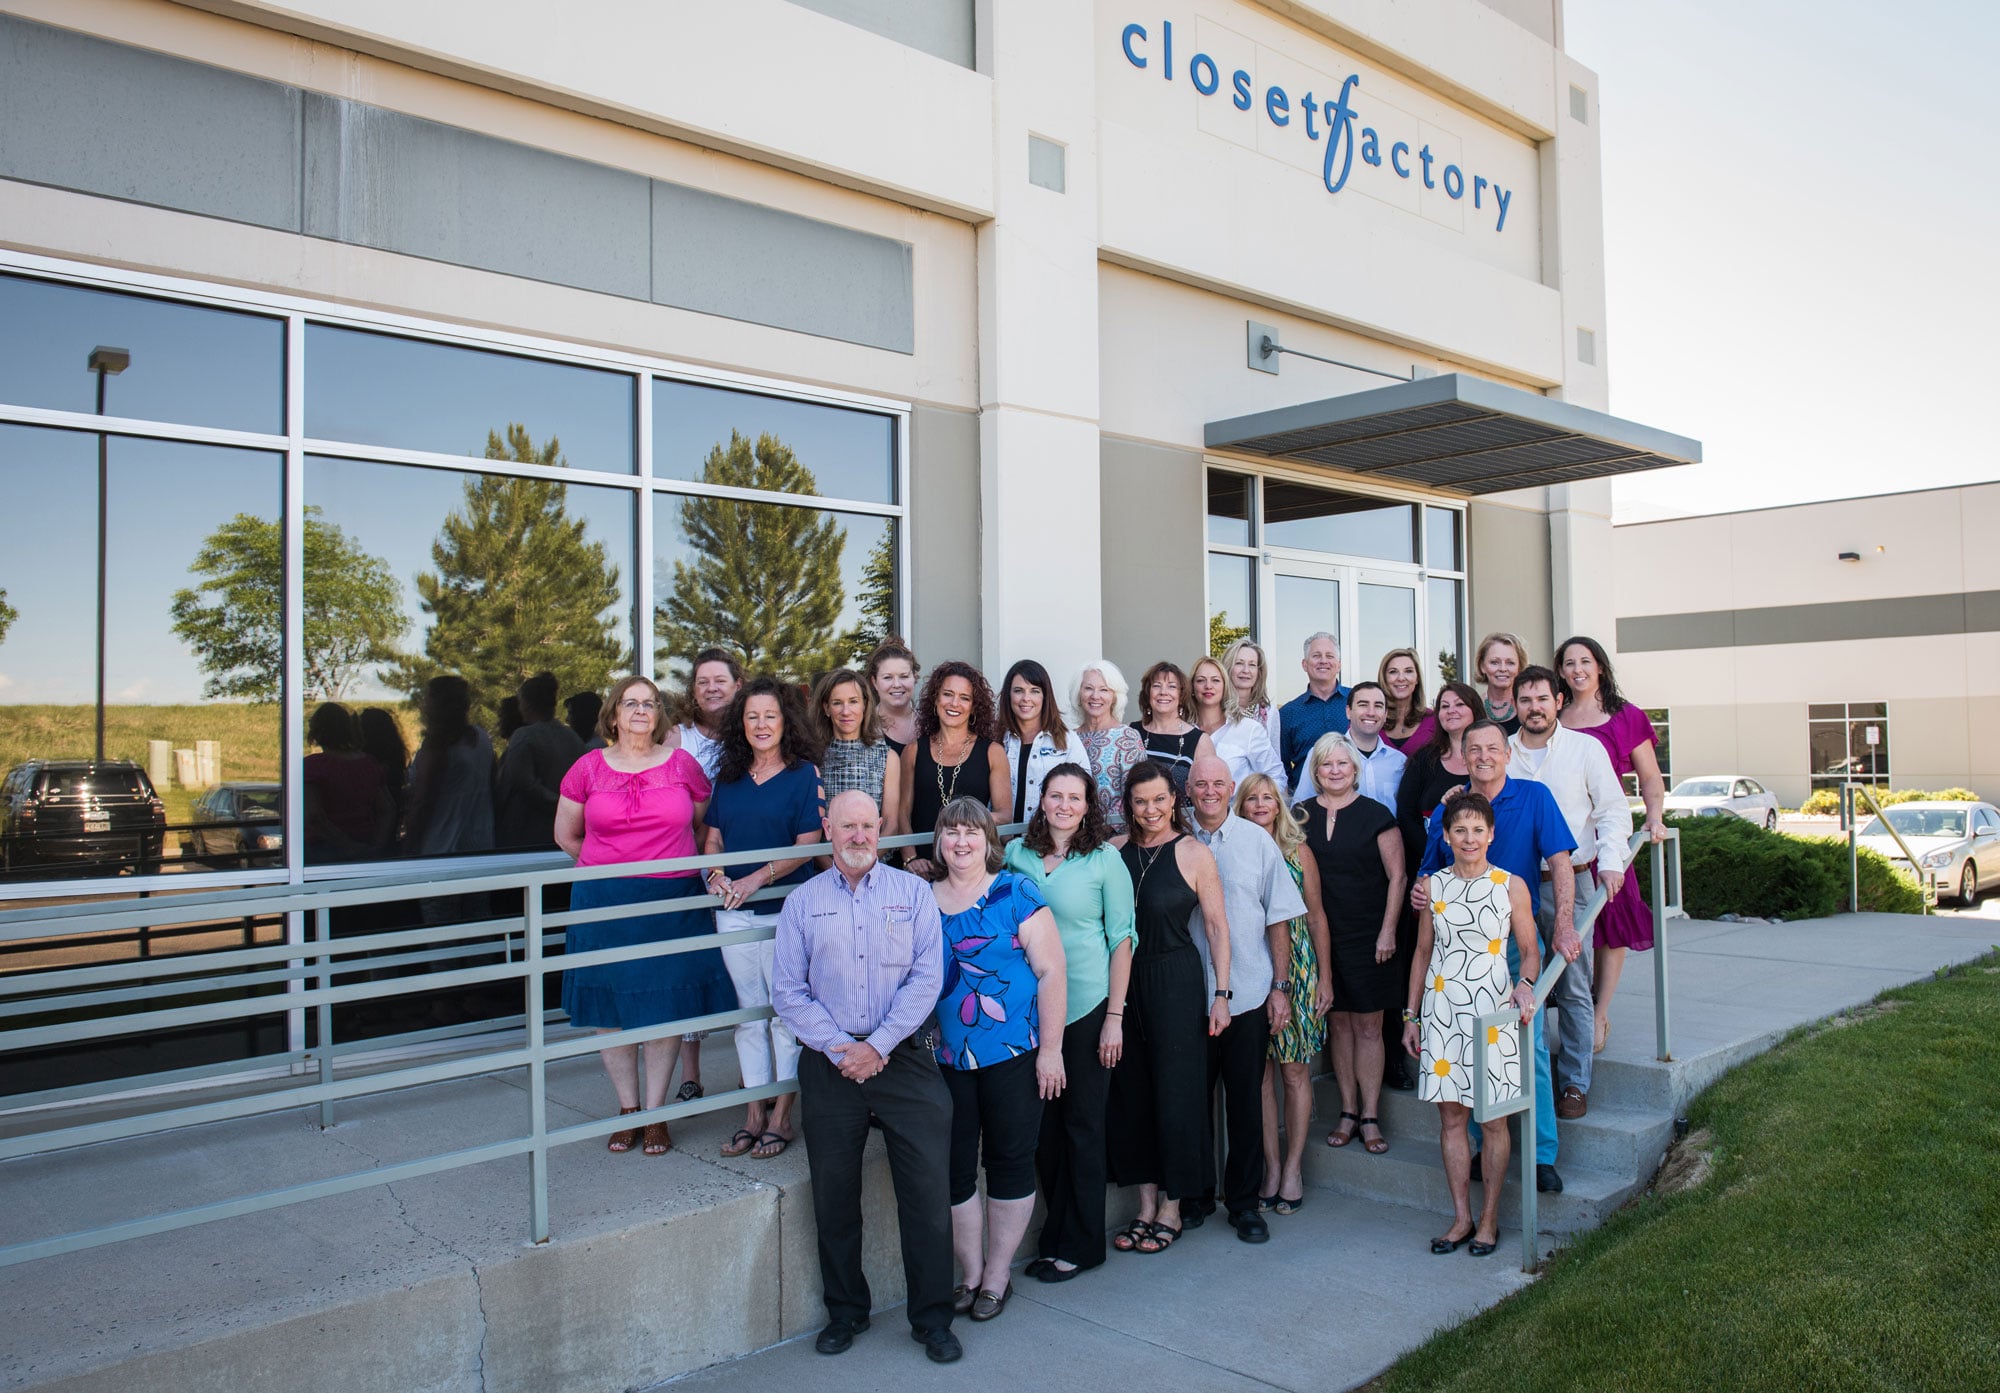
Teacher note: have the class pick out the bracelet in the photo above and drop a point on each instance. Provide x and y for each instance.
(1119, 1014)
(1409, 1017)
(1527, 982)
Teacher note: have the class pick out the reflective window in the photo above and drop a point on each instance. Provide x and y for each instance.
(795, 590)
(415, 574)
(1232, 610)
(1316, 519)
(1228, 508)
(1305, 606)
(833, 451)
(375, 389)
(1442, 549)
(1848, 743)
(186, 363)
(1445, 660)
(1388, 619)
(193, 656)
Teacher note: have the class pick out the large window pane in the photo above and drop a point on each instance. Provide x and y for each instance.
(188, 364)
(374, 389)
(1232, 612)
(415, 573)
(1299, 515)
(1388, 619)
(190, 776)
(1306, 605)
(797, 591)
(1445, 661)
(1228, 508)
(1442, 549)
(829, 451)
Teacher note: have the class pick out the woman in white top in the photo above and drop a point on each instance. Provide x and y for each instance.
(1249, 677)
(1037, 739)
(1239, 738)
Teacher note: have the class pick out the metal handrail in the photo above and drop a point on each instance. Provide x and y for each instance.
(1849, 795)
(1666, 875)
(310, 968)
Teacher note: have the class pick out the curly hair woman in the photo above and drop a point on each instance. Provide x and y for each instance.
(956, 753)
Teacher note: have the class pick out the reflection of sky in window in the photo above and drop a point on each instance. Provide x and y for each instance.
(395, 512)
(165, 500)
(670, 545)
(375, 389)
(1229, 589)
(852, 454)
(190, 364)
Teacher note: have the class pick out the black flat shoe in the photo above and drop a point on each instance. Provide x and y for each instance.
(940, 1346)
(1547, 1181)
(1053, 1274)
(1250, 1227)
(1441, 1246)
(838, 1335)
(1038, 1267)
(1484, 1250)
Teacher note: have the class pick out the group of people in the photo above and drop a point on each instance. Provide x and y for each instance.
(1204, 898)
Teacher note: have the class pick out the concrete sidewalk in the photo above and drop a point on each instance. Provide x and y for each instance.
(1348, 1285)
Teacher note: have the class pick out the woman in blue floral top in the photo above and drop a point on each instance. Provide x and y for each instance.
(1003, 977)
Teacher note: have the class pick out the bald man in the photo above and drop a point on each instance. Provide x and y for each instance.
(859, 963)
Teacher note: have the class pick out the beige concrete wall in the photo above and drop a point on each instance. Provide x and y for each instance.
(1509, 554)
(1930, 742)
(1154, 579)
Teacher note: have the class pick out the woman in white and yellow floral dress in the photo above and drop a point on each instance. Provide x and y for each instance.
(1459, 974)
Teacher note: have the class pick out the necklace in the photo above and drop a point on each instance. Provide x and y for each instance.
(946, 793)
(1147, 863)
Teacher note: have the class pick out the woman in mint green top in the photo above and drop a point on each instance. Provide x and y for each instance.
(1066, 853)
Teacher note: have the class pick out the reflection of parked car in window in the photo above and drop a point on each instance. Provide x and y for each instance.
(238, 825)
(1957, 845)
(1710, 795)
(94, 818)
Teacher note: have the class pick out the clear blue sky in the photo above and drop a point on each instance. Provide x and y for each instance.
(1801, 216)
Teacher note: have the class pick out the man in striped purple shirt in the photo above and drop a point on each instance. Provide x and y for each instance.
(859, 963)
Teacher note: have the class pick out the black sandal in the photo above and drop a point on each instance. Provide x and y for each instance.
(1339, 1138)
(1127, 1239)
(1161, 1237)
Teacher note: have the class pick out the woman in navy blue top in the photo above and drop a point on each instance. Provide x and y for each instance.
(1000, 1016)
(767, 794)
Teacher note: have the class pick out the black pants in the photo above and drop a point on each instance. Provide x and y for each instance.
(1070, 1158)
(1394, 1059)
(995, 1111)
(1236, 1061)
(1154, 1119)
(910, 1098)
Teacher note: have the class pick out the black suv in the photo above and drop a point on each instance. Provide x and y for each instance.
(89, 817)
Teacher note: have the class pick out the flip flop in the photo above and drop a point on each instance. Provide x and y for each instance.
(740, 1143)
(769, 1145)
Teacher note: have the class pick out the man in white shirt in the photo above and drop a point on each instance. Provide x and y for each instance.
(1261, 900)
(1575, 769)
(1381, 770)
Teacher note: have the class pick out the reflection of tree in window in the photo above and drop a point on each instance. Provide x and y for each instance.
(766, 578)
(234, 620)
(519, 588)
(8, 614)
(1447, 665)
(878, 597)
(1222, 633)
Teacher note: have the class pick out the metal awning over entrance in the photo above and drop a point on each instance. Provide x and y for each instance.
(1454, 432)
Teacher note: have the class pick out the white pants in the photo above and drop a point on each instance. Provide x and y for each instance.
(766, 1051)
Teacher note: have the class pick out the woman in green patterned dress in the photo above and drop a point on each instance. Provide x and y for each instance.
(1294, 1048)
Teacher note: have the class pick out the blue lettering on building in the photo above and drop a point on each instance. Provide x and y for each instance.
(1336, 117)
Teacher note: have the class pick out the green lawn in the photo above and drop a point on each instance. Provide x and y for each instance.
(1847, 1237)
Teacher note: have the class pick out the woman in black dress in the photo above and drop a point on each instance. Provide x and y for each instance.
(1358, 851)
(1172, 738)
(956, 754)
(1155, 1119)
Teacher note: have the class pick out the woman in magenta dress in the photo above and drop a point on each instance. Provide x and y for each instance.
(1592, 704)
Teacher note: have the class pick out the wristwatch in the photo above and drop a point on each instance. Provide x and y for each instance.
(1224, 994)
(1285, 987)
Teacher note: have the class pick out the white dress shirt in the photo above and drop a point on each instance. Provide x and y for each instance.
(1574, 768)
(1044, 756)
(1380, 774)
(1245, 745)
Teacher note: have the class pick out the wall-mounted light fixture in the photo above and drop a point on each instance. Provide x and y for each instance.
(1850, 556)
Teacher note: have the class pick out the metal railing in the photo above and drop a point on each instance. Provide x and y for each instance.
(94, 1002)
(1851, 796)
(1664, 901)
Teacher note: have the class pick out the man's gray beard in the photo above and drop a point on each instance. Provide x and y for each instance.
(855, 859)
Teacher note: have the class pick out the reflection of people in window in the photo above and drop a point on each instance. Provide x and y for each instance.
(382, 741)
(531, 768)
(349, 816)
(451, 778)
(581, 712)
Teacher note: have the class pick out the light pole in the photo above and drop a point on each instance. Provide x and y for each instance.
(105, 362)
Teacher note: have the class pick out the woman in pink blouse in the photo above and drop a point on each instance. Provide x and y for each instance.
(638, 799)
(1593, 704)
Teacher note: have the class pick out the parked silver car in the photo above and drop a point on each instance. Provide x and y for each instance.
(1957, 845)
(1710, 795)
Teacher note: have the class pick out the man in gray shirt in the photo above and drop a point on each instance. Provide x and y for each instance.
(1261, 900)
(531, 770)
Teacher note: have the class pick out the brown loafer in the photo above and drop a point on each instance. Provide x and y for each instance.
(986, 1305)
(962, 1299)
(1572, 1104)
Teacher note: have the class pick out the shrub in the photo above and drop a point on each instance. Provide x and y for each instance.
(1825, 802)
(1730, 866)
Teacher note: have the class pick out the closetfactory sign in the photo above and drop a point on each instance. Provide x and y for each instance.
(1333, 121)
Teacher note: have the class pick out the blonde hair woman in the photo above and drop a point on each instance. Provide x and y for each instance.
(1308, 981)
(1497, 661)
(1239, 738)
(1249, 673)
(1098, 698)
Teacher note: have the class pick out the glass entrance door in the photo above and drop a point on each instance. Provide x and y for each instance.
(1385, 618)
(1368, 611)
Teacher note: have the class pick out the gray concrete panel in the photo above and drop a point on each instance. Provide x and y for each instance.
(1152, 539)
(381, 179)
(101, 118)
(944, 518)
(1898, 616)
(941, 28)
(1655, 633)
(745, 261)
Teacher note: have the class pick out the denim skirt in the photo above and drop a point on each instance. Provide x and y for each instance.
(643, 991)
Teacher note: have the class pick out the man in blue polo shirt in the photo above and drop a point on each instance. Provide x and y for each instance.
(1320, 708)
(1529, 830)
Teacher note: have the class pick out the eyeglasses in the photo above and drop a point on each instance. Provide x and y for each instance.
(648, 706)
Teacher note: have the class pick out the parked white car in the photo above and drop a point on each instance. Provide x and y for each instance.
(1957, 845)
(1711, 795)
